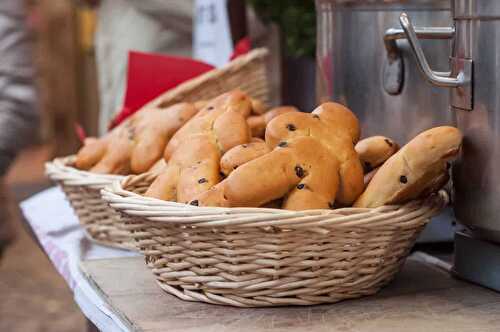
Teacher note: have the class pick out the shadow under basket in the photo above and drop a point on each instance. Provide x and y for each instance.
(103, 224)
(255, 257)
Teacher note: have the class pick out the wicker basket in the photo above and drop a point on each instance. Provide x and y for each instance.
(253, 257)
(102, 223)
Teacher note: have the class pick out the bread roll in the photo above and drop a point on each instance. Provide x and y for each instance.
(435, 185)
(258, 107)
(200, 104)
(337, 128)
(303, 170)
(152, 132)
(258, 123)
(194, 152)
(413, 169)
(256, 140)
(158, 167)
(137, 144)
(242, 154)
(113, 153)
(204, 122)
(373, 151)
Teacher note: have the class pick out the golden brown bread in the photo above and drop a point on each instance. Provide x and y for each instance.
(108, 155)
(200, 104)
(258, 123)
(436, 184)
(158, 167)
(303, 170)
(135, 145)
(412, 169)
(256, 140)
(258, 107)
(337, 128)
(193, 154)
(374, 151)
(242, 154)
(235, 103)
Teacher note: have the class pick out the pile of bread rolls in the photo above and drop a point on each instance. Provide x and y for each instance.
(232, 151)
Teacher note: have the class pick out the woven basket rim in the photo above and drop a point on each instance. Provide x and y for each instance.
(169, 96)
(61, 169)
(157, 210)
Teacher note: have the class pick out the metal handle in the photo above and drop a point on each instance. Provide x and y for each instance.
(435, 78)
(394, 68)
(393, 34)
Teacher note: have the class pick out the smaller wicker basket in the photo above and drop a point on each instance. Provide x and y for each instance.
(103, 224)
(254, 257)
(82, 190)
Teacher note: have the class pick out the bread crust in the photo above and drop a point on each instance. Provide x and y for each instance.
(137, 144)
(337, 128)
(242, 154)
(193, 154)
(258, 123)
(413, 169)
(304, 172)
(374, 151)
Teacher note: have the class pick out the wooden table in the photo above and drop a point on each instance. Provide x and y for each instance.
(423, 298)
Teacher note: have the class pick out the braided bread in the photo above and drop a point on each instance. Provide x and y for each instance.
(258, 107)
(419, 165)
(303, 171)
(312, 161)
(193, 154)
(242, 154)
(336, 127)
(258, 123)
(135, 145)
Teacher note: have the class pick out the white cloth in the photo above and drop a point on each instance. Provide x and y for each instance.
(158, 26)
(56, 227)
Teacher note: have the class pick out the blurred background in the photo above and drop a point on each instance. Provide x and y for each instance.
(79, 52)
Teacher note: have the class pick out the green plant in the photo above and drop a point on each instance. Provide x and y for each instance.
(297, 21)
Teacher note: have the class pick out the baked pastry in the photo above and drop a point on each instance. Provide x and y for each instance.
(258, 123)
(107, 155)
(229, 129)
(374, 150)
(258, 107)
(158, 167)
(303, 171)
(242, 154)
(135, 145)
(413, 169)
(337, 128)
(193, 154)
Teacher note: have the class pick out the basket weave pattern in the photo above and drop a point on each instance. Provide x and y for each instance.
(82, 190)
(102, 223)
(247, 72)
(252, 257)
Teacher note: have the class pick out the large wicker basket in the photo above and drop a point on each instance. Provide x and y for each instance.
(254, 257)
(102, 223)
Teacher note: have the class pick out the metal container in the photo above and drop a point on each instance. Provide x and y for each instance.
(474, 82)
(362, 64)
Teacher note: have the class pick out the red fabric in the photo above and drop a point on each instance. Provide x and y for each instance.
(149, 75)
(242, 46)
